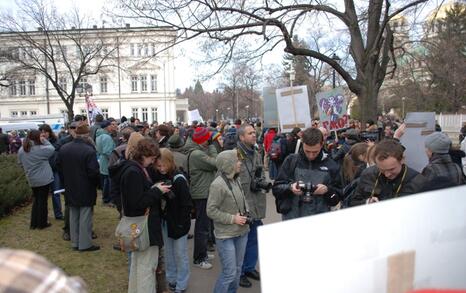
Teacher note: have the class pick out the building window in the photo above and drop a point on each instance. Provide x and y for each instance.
(32, 87)
(153, 83)
(24, 113)
(134, 83)
(14, 113)
(131, 49)
(13, 88)
(105, 112)
(144, 114)
(33, 113)
(103, 84)
(22, 87)
(139, 49)
(146, 49)
(143, 83)
(152, 48)
(83, 112)
(135, 113)
(82, 82)
(63, 84)
(154, 114)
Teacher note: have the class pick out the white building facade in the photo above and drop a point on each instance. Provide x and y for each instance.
(140, 81)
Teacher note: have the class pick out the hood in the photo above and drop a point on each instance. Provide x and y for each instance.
(190, 145)
(118, 169)
(99, 132)
(226, 162)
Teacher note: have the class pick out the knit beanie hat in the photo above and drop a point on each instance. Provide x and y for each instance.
(201, 135)
(175, 141)
(438, 142)
(215, 135)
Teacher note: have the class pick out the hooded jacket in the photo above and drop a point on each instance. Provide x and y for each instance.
(201, 168)
(137, 195)
(441, 165)
(224, 203)
(104, 146)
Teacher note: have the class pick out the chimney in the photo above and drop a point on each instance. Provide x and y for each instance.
(127, 25)
(94, 26)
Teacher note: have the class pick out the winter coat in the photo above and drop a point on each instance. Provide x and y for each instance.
(177, 211)
(4, 143)
(441, 165)
(15, 144)
(180, 157)
(77, 161)
(297, 167)
(386, 189)
(202, 168)
(104, 146)
(251, 165)
(223, 204)
(137, 195)
(36, 164)
(269, 136)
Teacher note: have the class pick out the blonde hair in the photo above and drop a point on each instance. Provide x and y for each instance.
(168, 159)
(370, 159)
(133, 140)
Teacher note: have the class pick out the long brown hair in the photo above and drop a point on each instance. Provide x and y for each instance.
(33, 136)
(351, 162)
(48, 129)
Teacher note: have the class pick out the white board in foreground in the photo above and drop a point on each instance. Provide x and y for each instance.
(413, 242)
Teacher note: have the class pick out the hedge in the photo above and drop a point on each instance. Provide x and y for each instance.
(14, 188)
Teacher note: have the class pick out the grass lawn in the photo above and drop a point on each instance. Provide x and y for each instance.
(105, 270)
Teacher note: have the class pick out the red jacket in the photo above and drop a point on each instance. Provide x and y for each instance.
(268, 139)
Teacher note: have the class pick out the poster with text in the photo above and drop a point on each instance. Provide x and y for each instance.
(194, 116)
(332, 109)
(293, 108)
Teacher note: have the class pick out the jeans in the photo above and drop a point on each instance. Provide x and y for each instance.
(231, 253)
(252, 248)
(201, 230)
(273, 169)
(56, 200)
(176, 259)
(105, 181)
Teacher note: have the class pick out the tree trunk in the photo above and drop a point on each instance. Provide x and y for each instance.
(70, 113)
(368, 103)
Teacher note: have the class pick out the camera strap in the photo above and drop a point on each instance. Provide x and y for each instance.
(233, 194)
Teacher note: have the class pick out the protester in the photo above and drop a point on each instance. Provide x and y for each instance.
(99, 118)
(251, 178)
(317, 174)
(139, 195)
(34, 156)
(228, 208)
(351, 138)
(162, 135)
(440, 163)
(4, 142)
(230, 139)
(14, 142)
(354, 163)
(201, 170)
(176, 146)
(389, 178)
(105, 146)
(77, 161)
(176, 220)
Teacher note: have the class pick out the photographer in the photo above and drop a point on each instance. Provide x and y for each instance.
(254, 186)
(308, 182)
(228, 208)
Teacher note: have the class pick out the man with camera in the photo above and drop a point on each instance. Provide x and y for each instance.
(255, 186)
(308, 182)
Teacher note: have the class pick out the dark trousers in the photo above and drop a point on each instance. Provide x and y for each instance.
(105, 181)
(66, 228)
(201, 230)
(39, 206)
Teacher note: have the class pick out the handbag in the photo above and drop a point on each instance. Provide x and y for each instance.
(133, 233)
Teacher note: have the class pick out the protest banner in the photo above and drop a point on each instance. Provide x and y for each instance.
(92, 109)
(418, 126)
(332, 109)
(293, 108)
(409, 243)
(270, 108)
(194, 116)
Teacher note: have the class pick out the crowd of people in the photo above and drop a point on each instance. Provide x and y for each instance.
(216, 174)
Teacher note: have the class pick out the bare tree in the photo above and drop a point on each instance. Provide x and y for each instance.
(275, 22)
(63, 48)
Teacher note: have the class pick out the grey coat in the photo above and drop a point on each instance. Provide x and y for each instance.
(36, 164)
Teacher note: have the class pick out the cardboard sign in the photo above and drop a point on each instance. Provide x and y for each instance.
(293, 108)
(412, 242)
(332, 109)
(194, 115)
(270, 108)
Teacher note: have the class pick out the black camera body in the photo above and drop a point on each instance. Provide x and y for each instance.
(308, 190)
(258, 183)
(249, 219)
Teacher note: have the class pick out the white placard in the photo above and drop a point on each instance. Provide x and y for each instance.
(194, 115)
(364, 249)
(293, 108)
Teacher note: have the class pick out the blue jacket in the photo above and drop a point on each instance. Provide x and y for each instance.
(104, 146)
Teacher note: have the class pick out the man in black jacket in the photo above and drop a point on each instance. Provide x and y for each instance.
(389, 178)
(313, 169)
(77, 161)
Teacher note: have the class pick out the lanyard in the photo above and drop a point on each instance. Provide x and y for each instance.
(232, 194)
(399, 186)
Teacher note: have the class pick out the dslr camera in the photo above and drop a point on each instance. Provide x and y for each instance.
(249, 218)
(258, 183)
(308, 190)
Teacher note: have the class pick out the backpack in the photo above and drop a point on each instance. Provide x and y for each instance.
(275, 150)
